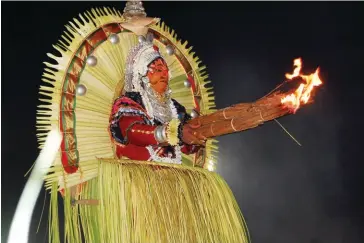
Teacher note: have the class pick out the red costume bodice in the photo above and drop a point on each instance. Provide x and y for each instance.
(133, 131)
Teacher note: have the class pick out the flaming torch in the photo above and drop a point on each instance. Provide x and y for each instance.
(245, 116)
(303, 92)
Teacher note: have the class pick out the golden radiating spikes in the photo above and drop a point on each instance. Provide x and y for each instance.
(68, 35)
(61, 46)
(50, 65)
(50, 119)
(191, 53)
(71, 30)
(167, 30)
(101, 10)
(77, 30)
(201, 68)
(204, 76)
(185, 45)
(84, 18)
(49, 79)
(94, 13)
(50, 71)
(47, 130)
(98, 12)
(206, 82)
(46, 88)
(96, 17)
(111, 11)
(208, 90)
(50, 76)
(54, 57)
(42, 112)
(91, 18)
(80, 25)
(42, 135)
(46, 94)
(119, 13)
(107, 11)
(46, 101)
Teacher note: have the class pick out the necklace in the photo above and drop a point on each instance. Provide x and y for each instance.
(159, 106)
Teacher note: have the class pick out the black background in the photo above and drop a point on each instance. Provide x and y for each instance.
(287, 193)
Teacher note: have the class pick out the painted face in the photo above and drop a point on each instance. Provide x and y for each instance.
(158, 75)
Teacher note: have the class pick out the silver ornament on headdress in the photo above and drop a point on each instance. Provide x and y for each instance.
(91, 61)
(81, 89)
(136, 80)
(137, 65)
(114, 38)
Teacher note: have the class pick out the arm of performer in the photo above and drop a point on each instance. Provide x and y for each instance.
(136, 132)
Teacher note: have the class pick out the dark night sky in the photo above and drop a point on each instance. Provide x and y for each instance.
(288, 194)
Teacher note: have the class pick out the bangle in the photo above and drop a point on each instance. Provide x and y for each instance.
(160, 134)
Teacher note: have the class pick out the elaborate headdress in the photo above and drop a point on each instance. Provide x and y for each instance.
(137, 65)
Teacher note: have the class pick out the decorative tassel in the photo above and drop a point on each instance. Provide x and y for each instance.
(172, 132)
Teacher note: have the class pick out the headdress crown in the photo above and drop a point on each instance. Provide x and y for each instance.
(137, 63)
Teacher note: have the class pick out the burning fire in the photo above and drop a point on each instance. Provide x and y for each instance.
(303, 92)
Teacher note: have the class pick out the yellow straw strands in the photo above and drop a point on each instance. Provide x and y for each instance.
(137, 201)
(102, 82)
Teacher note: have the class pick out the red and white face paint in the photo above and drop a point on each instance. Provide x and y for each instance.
(158, 75)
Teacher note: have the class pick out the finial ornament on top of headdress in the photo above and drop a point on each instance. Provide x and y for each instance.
(136, 18)
(134, 8)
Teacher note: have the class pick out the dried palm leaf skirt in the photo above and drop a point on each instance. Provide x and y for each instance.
(150, 202)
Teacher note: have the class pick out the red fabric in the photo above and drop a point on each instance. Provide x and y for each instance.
(132, 152)
(64, 158)
(138, 134)
(137, 140)
(189, 149)
(126, 102)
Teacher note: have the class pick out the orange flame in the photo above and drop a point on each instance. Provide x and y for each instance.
(303, 92)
